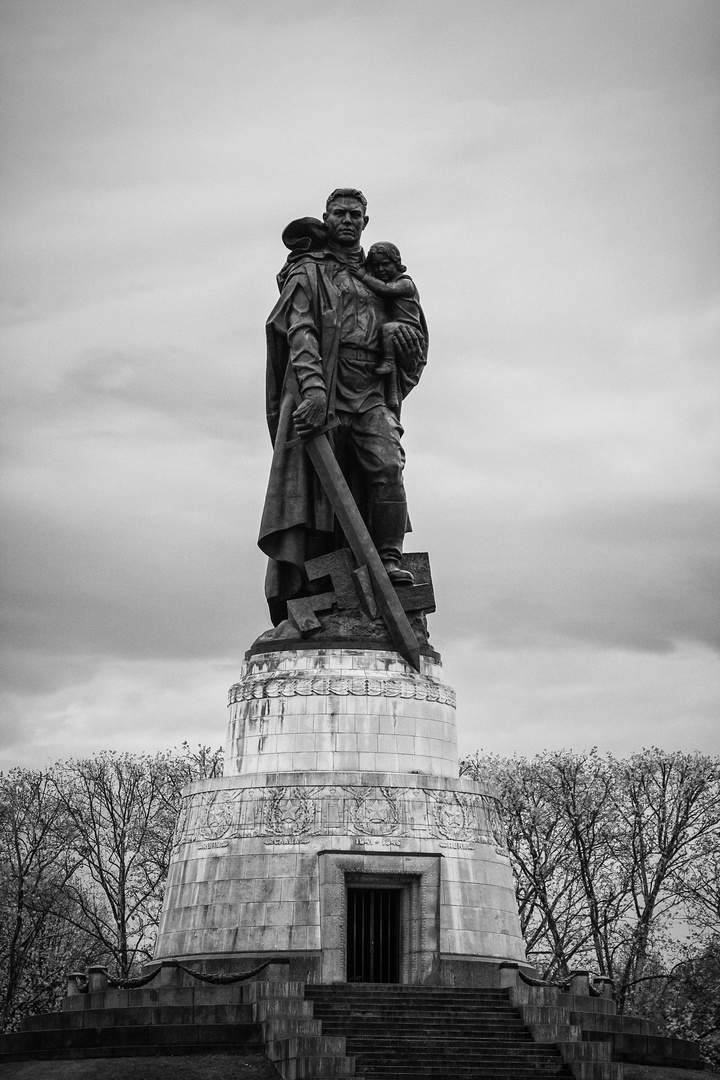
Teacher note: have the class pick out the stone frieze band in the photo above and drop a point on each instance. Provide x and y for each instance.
(280, 684)
(303, 812)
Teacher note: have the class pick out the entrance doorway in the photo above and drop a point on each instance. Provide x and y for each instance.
(373, 935)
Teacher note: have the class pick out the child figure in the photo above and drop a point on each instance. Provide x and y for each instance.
(384, 274)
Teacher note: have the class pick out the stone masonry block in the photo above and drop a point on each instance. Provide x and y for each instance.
(278, 913)
(304, 761)
(305, 913)
(347, 761)
(346, 741)
(299, 937)
(307, 740)
(267, 889)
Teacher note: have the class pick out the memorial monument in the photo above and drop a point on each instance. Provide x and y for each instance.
(341, 838)
(341, 846)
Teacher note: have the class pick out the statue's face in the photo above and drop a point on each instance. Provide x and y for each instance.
(382, 267)
(345, 220)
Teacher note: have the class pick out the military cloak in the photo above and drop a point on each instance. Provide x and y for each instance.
(298, 522)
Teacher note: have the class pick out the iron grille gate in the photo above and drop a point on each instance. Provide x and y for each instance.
(373, 935)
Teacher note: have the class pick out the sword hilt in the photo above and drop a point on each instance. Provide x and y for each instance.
(319, 431)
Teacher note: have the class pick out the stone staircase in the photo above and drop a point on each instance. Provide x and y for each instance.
(632, 1039)
(396, 1032)
(139, 1023)
(585, 1026)
(520, 1030)
(177, 1015)
(294, 1039)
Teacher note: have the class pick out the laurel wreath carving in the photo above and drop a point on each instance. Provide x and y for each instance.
(290, 811)
(221, 816)
(293, 684)
(375, 811)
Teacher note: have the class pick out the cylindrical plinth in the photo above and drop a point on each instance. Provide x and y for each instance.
(350, 710)
(341, 775)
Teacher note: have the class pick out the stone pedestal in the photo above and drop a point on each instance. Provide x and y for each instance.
(341, 774)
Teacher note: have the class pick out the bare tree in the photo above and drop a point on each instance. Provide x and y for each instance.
(607, 853)
(85, 851)
(123, 809)
(36, 837)
(670, 806)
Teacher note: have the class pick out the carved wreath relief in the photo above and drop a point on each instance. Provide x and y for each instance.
(375, 811)
(293, 684)
(289, 811)
(295, 814)
(453, 815)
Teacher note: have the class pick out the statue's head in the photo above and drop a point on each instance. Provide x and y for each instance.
(345, 216)
(384, 261)
(346, 193)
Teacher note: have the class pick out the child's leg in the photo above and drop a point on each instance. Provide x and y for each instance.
(387, 345)
(387, 366)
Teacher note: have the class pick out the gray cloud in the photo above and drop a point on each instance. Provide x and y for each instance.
(548, 172)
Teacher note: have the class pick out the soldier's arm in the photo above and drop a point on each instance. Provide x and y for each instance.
(304, 355)
(303, 342)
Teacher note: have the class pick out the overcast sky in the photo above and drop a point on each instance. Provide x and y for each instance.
(549, 170)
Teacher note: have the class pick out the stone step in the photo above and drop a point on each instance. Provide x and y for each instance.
(128, 1039)
(451, 1070)
(451, 1065)
(455, 1039)
(271, 1008)
(141, 1016)
(415, 1016)
(434, 1053)
(409, 999)
(407, 1002)
(499, 993)
(412, 1008)
(436, 1046)
(405, 990)
(316, 1066)
(403, 1033)
(85, 1053)
(509, 1072)
(409, 1025)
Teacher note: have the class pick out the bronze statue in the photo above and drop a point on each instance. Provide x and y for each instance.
(327, 338)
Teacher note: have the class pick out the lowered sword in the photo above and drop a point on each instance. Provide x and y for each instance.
(356, 533)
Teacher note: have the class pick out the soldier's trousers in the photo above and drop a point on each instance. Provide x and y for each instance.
(368, 448)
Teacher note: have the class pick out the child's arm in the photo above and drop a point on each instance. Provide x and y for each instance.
(403, 287)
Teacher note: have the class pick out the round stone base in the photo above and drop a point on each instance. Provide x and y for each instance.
(263, 863)
(342, 710)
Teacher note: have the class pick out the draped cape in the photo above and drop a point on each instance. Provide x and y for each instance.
(298, 521)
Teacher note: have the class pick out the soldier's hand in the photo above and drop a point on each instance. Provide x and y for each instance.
(409, 344)
(310, 413)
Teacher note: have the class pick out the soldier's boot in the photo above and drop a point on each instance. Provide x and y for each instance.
(389, 520)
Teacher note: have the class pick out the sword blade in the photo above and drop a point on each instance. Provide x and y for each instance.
(362, 546)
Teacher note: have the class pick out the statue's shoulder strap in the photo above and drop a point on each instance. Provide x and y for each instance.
(306, 263)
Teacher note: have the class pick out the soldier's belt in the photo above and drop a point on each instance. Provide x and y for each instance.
(356, 352)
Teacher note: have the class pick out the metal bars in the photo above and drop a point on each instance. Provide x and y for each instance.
(373, 935)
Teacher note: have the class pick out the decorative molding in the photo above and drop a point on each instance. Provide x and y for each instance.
(294, 814)
(375, 811)
(290, 811)
(296, 683)
(453, 813)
